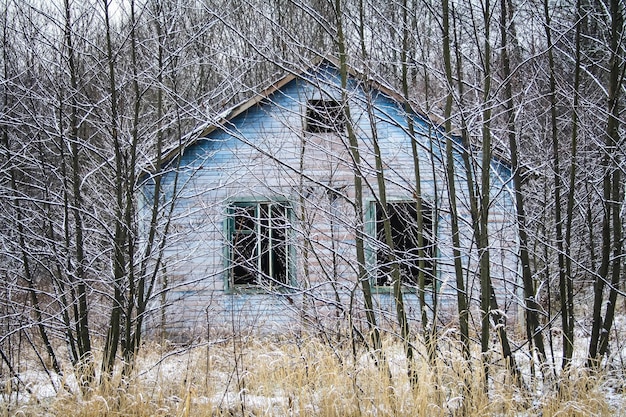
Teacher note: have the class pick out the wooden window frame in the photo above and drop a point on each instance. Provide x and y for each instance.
(407, 256)
(272, 259)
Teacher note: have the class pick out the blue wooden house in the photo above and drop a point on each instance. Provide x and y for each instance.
(262, 234)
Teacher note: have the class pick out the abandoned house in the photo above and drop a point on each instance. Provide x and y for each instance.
(264, 214)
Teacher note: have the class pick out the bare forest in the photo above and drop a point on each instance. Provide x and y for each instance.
(95, 95)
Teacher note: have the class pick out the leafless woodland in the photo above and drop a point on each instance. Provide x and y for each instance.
(96, 93)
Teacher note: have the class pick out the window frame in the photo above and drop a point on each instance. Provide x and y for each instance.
(374, 247)
(262, 282)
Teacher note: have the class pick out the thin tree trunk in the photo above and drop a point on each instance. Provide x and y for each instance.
(152, 254)
(119, 238)
(429, 331)
(129, 346)
(488, 300)
(558, 218)
(611, 216)
(358, 188)
(568, 324)
(483, 233)
(461, 293)
(85, 365)
(613, 144)
(405, 332)
(530, 298)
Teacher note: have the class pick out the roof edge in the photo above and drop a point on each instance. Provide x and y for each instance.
(291, 75)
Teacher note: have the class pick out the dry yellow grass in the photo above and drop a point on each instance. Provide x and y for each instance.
(306, 377)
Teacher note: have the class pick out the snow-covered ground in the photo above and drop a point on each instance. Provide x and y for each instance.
(309, 377)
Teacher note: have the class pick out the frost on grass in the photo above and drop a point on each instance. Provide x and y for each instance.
(309, 377)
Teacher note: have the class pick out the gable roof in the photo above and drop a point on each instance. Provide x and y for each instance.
(274, 87)
(223, 118)
(238, 109)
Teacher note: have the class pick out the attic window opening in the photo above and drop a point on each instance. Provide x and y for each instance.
(259, 247)
(325, 116)
(405, 236)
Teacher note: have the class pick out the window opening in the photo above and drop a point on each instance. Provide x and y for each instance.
(259, 251)
(405, 236)
(325, 116)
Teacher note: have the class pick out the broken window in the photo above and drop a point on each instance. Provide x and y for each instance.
(406, 248)
(259, 248)
(325, 116)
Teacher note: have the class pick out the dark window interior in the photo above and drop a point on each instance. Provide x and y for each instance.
(325, 116)
(259, 244)
(405, 236)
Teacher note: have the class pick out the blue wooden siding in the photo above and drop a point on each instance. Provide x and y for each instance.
(264, 153)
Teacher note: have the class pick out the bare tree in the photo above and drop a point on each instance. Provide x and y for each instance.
(612, 197)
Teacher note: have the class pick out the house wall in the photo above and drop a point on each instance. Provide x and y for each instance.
(263, 154)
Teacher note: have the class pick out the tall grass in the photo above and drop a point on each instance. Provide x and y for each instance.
(306, 377)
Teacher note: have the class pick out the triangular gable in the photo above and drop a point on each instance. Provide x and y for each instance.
(307, 74)
(225, 117)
